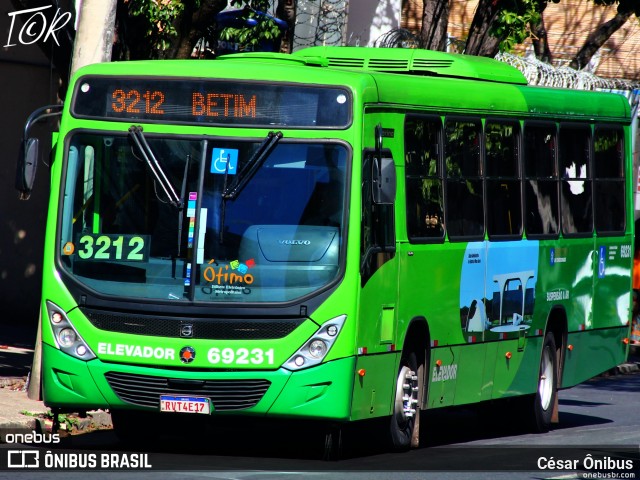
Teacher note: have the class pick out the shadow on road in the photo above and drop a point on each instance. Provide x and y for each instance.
(210, 443)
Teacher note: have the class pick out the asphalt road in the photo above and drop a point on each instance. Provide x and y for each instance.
(599, 418)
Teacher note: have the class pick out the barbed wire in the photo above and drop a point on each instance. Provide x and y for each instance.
(536, 71)
(323, 21)
(544, 74)
(397, 38)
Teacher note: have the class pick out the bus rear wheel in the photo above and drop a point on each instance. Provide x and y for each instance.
(545, 397)
(405, 419)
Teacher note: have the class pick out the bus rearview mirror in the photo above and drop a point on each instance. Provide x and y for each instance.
(384, 181)
(27, 166)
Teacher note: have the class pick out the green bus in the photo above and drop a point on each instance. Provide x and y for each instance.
(337, 235)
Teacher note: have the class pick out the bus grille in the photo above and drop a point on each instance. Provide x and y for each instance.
(225, 395)
(205, 328)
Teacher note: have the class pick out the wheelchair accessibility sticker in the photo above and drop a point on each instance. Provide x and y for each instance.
(224, 161)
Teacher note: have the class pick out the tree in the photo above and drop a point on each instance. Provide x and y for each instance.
(597, 38)
(540, 42)
(95, 34)
(173, 28)
(162, 28)
(435, 19)
(287, 11)
(499, 25)
(154, 28)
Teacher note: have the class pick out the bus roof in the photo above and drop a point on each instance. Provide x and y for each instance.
(434, 81)
(416, 61)
(448, 82)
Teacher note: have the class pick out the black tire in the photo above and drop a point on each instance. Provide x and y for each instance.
(333, 444)
(405, 419)
(544, 399)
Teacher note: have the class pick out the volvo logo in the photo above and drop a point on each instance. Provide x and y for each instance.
(294, 242)
(186, 330)
(187, 354)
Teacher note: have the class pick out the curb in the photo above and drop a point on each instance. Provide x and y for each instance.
(11, 381)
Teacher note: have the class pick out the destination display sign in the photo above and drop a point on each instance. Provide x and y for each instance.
(201, 101)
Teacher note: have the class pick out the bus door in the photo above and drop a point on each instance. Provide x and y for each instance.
(379, 289)
(511, 275)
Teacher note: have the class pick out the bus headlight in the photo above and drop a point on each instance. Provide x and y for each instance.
(317, 347)
(66, 336)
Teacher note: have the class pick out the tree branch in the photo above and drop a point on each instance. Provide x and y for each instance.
(597, 39)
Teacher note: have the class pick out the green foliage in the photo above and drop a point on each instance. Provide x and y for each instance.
(514, 21)
(516, 18)
(160, 20)
(262, 5)
(70, 421)
(159, 17)
(249, 37)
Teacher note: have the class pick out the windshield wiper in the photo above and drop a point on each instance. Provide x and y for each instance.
(158, 173)
(245, 175)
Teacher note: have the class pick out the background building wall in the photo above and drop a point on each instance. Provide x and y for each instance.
(28, 82)
(568, 24)
(368, 20)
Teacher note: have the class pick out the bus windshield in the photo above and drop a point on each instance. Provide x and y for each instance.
(203, 219)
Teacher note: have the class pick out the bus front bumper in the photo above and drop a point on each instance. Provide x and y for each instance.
(321, 392)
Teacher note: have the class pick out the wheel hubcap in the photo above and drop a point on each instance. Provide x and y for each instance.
(545, 384)
(406, 395)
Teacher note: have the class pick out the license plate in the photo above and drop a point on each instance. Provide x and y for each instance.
(180, 404)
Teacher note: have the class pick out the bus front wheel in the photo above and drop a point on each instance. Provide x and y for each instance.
(405, 420)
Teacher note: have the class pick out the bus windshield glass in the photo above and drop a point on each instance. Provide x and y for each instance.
(152, 217)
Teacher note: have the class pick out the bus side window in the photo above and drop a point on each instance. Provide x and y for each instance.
(541, 180)
(504, 199)
(423, 179)
(465, 189)
(576, 208)
(609, 180)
